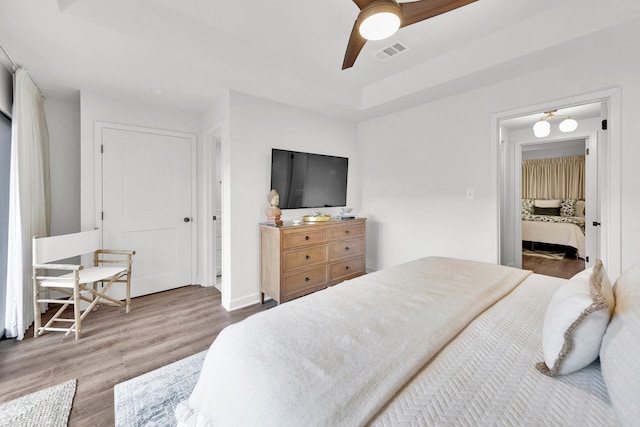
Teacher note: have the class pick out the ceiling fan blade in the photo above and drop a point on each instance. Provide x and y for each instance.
(362, 3)
(356, 43)
(417, 11)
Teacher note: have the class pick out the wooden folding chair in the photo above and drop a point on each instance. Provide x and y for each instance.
(109, 267)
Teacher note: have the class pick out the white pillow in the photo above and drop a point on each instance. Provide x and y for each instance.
(580, 208)
(620, 349)
(575, 321)
(547, 203)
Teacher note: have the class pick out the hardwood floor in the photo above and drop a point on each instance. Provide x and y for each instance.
(564, 268)
(115, 346)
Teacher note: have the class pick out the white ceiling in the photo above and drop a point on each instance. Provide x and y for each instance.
(286, 50)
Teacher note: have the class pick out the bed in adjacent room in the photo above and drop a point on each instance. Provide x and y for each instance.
(436, 341)
(557, 222)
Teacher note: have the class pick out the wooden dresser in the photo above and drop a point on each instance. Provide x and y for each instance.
(296, 260)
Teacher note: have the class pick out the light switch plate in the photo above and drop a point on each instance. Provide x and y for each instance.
(469, 193)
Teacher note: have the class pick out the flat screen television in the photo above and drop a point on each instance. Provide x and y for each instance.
(307, 180)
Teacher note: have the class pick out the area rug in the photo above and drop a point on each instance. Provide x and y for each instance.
(49, 407)
(544, 254)
(151, 399)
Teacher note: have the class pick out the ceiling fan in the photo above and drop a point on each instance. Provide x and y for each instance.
(379, 19)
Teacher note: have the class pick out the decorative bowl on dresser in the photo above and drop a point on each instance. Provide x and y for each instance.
(296, 260)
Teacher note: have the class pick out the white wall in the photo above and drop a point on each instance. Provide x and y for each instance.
(255, 127)
(63, 122)
(417, 167)
(417, 163)
(549, 152)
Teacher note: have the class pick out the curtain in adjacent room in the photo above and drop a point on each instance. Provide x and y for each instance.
(29, 199)
(554, 178)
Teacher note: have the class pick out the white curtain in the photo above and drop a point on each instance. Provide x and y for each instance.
(29, 199)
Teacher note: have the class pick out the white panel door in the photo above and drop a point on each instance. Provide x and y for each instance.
(147, 203)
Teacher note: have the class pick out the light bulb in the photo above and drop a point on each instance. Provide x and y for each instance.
(541, 129)
(379, 26)
(568, 125)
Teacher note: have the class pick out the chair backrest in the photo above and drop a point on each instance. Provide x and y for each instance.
(47, 249)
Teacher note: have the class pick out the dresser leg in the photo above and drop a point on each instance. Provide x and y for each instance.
(261, 297)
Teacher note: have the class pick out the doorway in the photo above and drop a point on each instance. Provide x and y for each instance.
(602, 214)
(213, 197)
(554, 173)
(552, 170)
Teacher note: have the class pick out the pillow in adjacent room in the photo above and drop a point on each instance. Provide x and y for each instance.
(546, 211)
(527, 207)
(575, 321)
(568, 207)
(580, 208)
(543, 203)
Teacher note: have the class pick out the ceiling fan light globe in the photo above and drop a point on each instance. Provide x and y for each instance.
(541, 129)
(568, 125)
(379, 26)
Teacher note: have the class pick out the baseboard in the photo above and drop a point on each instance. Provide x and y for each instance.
(244, 302)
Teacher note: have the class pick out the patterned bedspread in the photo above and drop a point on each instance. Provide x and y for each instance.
(577, 220)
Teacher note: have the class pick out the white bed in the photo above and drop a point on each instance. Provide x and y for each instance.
(436, 341)
(556, 233)
(565, 226)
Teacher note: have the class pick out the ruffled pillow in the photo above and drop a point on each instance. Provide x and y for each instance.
(575, 322)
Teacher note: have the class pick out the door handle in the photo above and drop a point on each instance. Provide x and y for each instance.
(596, 223)
(187, 219)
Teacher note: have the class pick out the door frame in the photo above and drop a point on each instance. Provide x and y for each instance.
(98, 205)
(588, 137)
(209, 201)
(610, 180)
(222, 128)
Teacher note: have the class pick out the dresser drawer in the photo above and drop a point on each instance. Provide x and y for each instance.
(346, 268)
(346, 248)
(305, 257)
(348, 231)
(304, 238)
(306, 279)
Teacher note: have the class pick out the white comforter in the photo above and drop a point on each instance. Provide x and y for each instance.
(338, 356)
(487, 375)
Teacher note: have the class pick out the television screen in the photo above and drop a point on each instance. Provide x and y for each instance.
(306, 180)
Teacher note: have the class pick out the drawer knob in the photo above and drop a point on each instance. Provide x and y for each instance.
(306, 237)
(307, 257)
(347, 267)
(306, 279)
(347, 248)
(346, 231)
